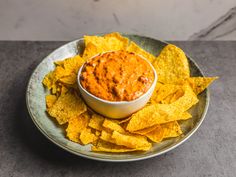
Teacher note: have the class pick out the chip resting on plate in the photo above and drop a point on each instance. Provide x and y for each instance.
(171, 65)
(76, 125)
(67, 106)
(138, 50)
(199, 84)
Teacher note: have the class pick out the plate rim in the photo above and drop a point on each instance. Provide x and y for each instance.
(165, 150)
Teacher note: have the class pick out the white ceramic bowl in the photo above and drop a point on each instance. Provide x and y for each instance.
(116, 109)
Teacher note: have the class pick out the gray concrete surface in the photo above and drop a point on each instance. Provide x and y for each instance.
(210, 152)
(69, 19)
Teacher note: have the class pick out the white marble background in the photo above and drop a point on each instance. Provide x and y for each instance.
(70, 19)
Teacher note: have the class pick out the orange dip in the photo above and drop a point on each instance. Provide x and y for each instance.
(117, 76)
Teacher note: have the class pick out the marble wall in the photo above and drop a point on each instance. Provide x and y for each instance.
(70, 19)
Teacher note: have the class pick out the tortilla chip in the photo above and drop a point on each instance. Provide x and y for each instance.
(119, 37)
(67, 106)
(63, 90)
(50, 100)
(71, 79)
(164, 91)
(90, 51)
(86, 136)
(171, 129)
(144, 118)
(73, 64)
(98, 44)
(131, 141)
(185, 116)
(138, 50)
(171, 65)
(103, 146)
(199, 84)
(146, 130)
(153, 115)
(96, 122)
(60, 72)
(187, 100)
(107, 136)
(112, 125)
(48, 80)
(156, 135)
(76, 125)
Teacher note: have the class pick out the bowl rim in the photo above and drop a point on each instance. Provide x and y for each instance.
(117, 102)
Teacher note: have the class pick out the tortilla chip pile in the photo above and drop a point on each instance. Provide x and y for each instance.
(175, 93)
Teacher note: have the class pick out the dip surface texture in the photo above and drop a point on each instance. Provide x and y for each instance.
(117, 76)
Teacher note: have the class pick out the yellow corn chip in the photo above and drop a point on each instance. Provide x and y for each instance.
(199, 84)
(184, 116)
(112, 125)
(188, 99)
(146, 130)
(107, 136)
(98, 44)
(164, 91)
(48, 80)
(86, 136)
(117, 35)
(131, 141)
(60, 72)
(146, 117)
(96, 122)
(63, 90)
(71, 79)
(50, 100)
(138, 50)
(76, 125)
(67, 106)
(176, 96)
(73, 64)
(171, 65)
(171, 129)
(103, 146)
(156, 135)
(155, 114)
(90, 51)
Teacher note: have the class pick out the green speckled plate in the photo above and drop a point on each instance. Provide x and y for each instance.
(36, 106)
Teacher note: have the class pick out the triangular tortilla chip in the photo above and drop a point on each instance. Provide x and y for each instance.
(67, 106)
(171, 129)
(138, 50)
(171, 65)
(199, 84)
(187, 100)
(99, 44)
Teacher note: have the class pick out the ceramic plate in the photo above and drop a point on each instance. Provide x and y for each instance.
(36, 106)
